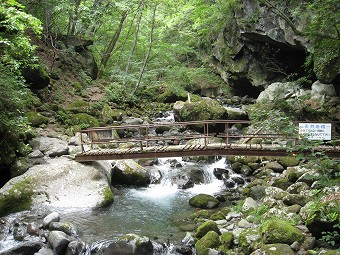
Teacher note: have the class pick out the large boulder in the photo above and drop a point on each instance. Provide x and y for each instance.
(205, 227)
(210, 241)
(59, 241)
(204, 109)
(274, 249)
(320, 89)
(277, 90)
(129, 172)
(61, 182)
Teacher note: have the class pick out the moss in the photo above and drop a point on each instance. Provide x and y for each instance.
(288, 161)
(18, 198)
(201, 214)
(203, 201)
(36, 119)
(206, 227)
(227, 239)
(278, 231)
(84, 120)
(210, 240)
(217, 216)
(107, 196)
(79, 106)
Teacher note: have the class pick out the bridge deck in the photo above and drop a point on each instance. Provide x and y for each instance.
(216, 149)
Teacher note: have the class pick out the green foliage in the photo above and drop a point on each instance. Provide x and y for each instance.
(331, 237)
(117, 93)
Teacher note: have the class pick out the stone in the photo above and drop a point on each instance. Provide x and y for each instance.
(221, 173)
(278, 231)
(227, 239)
(275, 166)
(288, 161)
(205, 227)
(203, 201)
(282, 183)
(297, 188)
(128, 172)
(249, 204)
(182, 182)
(52, 147)
(76, 248)
(36, 154)
(209, 241)
(36, 119)
(236, 167)
(277, 90)
(66, 227)
(59, 241)
(320, 89)
(244, 224)
(257, 192)
(19, 167)
(52, 217)
(236, 114)
(276, 193)
(33, 229)
(24, 248)
(274, 249)
(246, 170)
(292, 199)
(45, 251)
(249, 240)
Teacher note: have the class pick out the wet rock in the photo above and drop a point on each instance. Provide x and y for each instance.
(203, 201)
(184, 249)
(182, 182)
(276, 193)
(33, 229)
(221, 173)
(24, 248)
(257, 192)
(52, 217)
(76, 248)
(205, 227)
(238, 180)
(66, 227)
(45, 251)
(59, 241)
(229, 183)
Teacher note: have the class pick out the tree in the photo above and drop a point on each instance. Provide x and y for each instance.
(16, 52)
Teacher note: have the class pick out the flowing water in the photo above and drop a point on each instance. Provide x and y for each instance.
(149, 211)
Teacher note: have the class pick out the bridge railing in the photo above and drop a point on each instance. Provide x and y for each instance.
(173, 133)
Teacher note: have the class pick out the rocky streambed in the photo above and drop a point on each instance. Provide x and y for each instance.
(263, 206)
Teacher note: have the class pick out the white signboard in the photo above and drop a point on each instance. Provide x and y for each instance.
(315, 131)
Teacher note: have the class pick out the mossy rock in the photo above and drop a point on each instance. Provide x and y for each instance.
(79, 106)
(274, 249)
(84, 120)
(227, 239)
(249, 240)
(108, 197)
(128, 172)
(109, 115)
(278, 231)
(211, 240)
(16, 199)
(217, 216)
(205, 109)
(282, 183)
(201, 214)
(288, 161)
(36, 119)
(204, 201)
(206, 227)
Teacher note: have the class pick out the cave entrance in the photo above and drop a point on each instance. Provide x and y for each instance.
(243, 87)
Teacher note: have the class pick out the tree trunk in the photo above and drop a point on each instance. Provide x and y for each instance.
(107, 54)
(147, 57)
(133, 47)
(74, 17)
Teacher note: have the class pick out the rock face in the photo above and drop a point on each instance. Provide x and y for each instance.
(52, 147)
(263, 43)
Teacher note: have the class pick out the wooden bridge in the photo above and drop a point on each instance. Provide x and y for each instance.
(195, 138)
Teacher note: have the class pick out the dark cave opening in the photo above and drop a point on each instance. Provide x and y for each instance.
(243, 87)
(5, 175)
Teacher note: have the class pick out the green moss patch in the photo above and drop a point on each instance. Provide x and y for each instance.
(18, 198)
(36, 119)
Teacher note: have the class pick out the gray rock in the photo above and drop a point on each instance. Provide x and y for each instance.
(52, 147)
(297, 188)
(33, 229)
(45, 251)
(36, 154)
(66, 227)
(277, 90)
(203, 201)
(320, 89)
(276, 167)
(257, 192)
(24, 248)
(244, 224)
(248, 204)
(59, 241)
(276, 193)
(76, 248)
(52, 217)
(293, 199)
